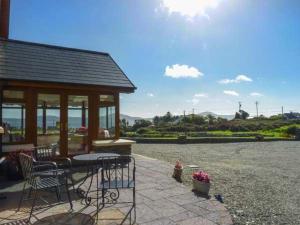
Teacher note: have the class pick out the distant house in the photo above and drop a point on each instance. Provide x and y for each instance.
(291, 116)
(57, 95)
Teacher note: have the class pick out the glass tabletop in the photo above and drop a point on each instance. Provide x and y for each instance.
(94, 156)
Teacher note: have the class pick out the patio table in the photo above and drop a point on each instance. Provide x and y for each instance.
(90, 161)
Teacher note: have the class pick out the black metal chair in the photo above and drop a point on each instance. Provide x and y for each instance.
(36, 178)
(116, 173)
(48, 154)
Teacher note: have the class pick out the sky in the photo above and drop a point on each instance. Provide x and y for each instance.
(205, 55)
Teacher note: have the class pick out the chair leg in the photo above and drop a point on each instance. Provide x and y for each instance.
(57, 190)
(29, 193)
(134, 206)
(68, 194)
(33, 204)
(22, 197)
(72, 181)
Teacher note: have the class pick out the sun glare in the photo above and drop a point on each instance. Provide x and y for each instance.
(190, 8)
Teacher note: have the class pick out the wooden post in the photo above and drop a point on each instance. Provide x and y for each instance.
(117, 115)
(22, 120)
(4, 18)
(93, 117)
(44, 117)
(1, 122)
(31, 116)
(83, 115)
(63, 144)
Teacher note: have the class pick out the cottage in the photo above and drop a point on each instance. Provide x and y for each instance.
(57, 95)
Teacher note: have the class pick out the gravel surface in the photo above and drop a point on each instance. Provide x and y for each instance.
(259, 182)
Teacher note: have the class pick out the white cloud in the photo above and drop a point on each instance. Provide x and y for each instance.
(190, 8)
(256, 94)
(232, 93)
(238, 79)
(182, 71)
(150, 94)
(200, 95)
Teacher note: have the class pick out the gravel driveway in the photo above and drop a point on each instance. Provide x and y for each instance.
(260, 181)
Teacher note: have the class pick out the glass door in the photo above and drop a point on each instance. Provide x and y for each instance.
(48, 120)
(77, 125)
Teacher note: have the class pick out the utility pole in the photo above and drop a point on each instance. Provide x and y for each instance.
(256, 104)
(184, 121)
(282, 111)
(193, 110)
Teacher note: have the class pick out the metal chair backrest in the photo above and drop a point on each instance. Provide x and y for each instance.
(26, 163)
(117, 172)
(45, 153)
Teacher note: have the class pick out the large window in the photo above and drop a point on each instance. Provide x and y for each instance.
(107, 112)
(48, 119)
(13, 116)
(77, 124)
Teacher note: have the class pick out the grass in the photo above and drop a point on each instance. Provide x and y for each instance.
(281, 132)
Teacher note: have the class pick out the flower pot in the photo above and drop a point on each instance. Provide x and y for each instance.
(201, 187)
(177, 174)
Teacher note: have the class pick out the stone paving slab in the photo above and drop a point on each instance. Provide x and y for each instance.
(160, 201)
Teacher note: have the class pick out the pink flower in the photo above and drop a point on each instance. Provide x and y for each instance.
(178, 165)
(201, 176)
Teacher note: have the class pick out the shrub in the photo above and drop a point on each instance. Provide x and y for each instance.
(292, 131)
(259, 137)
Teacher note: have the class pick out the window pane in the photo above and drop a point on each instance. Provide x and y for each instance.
(77, 124)
(106, 117)
(13, 94)
(48, 120)
(13, 118)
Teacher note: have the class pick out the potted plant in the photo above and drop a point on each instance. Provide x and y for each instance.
(201, 182)
(178, 171)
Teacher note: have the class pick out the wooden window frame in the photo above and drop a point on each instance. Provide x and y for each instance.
(30, 100)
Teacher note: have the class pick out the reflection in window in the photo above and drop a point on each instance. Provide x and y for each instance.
(107, 113)
(77, 124)
(13, 122)
(12, 94)
(48, 119)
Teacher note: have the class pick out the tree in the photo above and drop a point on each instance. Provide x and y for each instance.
(199, 120)
(221, 120)
(211, 119)
(167, 117)
(124, 124)
(156, 120)
(241, 115)
(244, 114)
(141, 123)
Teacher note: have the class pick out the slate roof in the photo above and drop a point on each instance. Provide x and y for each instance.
(28, 61)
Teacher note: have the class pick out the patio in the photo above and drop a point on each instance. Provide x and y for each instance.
(160, 200)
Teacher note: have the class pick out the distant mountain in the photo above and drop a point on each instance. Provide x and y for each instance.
(229, 117)
(131, 119)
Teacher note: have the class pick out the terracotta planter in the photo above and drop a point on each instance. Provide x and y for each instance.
(201, 187)
(177, 174)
